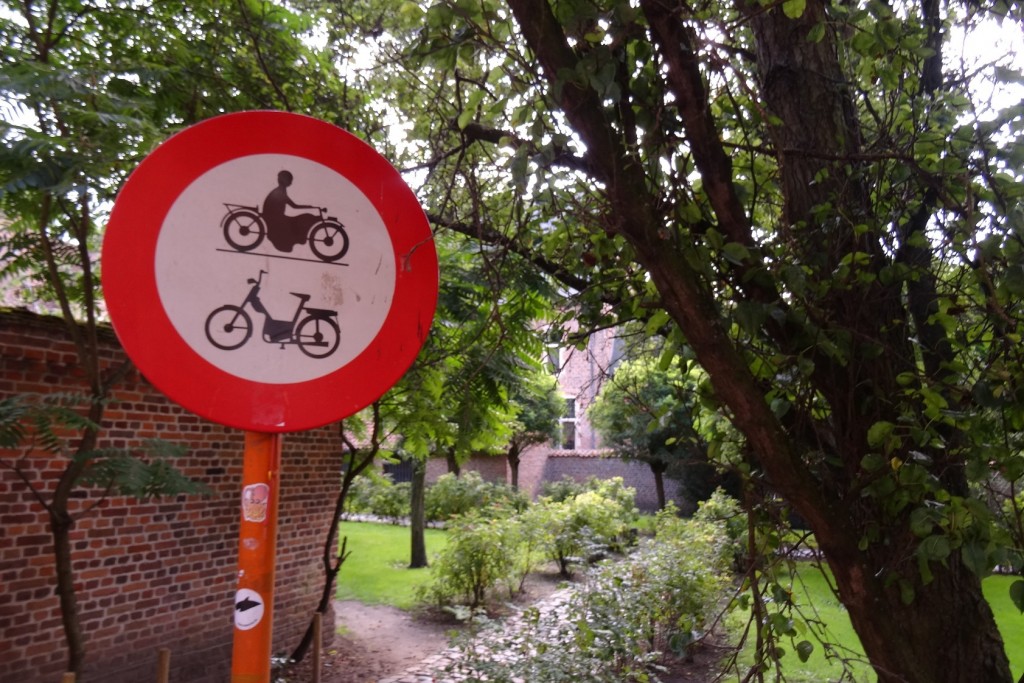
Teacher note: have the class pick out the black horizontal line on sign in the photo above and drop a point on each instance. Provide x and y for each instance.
(289, 258)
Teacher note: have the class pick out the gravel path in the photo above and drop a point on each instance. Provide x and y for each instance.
(432, 669)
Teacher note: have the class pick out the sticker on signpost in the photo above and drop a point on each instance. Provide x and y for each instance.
(255, 501)
(249, 609)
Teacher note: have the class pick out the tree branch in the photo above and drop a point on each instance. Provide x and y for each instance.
(496, 238)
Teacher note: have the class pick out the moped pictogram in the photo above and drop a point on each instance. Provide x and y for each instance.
(245, 229)
(313, 329)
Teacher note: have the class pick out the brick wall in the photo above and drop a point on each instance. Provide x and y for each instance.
(540, 464)
(436, 467)
(490, 467)
(149, 574)
(636, 475)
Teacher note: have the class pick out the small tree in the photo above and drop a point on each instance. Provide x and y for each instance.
(455, 399)
(646, 413)
(33, 423)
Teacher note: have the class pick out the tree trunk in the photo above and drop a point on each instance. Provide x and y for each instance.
(417, 516)
(945, 634)
(513, 466)
(658, 468)
(61, 524)
(912, 630)
(453, 463)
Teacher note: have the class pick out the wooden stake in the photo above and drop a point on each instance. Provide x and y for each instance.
(163, 665)
(317, 626)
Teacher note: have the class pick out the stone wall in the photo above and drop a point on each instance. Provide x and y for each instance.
(541, 464)
(490, 467)
(158, 573)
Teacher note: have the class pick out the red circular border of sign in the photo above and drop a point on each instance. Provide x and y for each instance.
(163, 357)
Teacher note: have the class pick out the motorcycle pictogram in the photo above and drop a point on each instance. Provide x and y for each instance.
(313, 329)
(246, 226)
(245, 229)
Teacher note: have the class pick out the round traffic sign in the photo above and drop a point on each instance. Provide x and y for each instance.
(269, 271)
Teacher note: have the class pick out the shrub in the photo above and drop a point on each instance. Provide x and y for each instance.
(451, 496)
(563, 489)
(687, 568)
(479, 555)
(616, 627)
(361, 492)
(568, 488)
(392, 502)
(615, 489)
(375, 494)
(528, 531)
(584, 527)
(558, 538)
(722, 509)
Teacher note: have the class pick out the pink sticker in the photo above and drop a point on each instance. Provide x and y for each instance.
(255, 499)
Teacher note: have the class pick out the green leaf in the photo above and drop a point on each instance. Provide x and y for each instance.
(750, 315)
(804, 649)
(906, 592)
(735, 252)
(465, 118)
(934, 548)
(816, 33)
(794, 9)
(656, 321)
(922, 522)
(879, 432)
(872, 462)
(975, 556)
(781, 623)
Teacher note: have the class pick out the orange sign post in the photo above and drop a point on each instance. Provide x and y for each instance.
(257, 552)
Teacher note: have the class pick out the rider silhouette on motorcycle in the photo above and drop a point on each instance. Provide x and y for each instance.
(285, 231)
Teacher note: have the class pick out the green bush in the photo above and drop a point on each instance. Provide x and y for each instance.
(528, 533)
(558, 537)
(722, 509)
(617, 626)
(615, 489)
(563, 489)
(451, 496)
(479, 556)
(586, 526)
(361, 492)
(374, 493)
(567, 488)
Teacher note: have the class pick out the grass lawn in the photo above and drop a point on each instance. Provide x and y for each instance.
(377, 570)
(812, 589)
(1008, 618)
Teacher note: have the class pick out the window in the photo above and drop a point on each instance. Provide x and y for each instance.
(568, 422)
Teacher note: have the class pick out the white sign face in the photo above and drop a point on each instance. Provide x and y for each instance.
(249, 609)
(266, 291)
